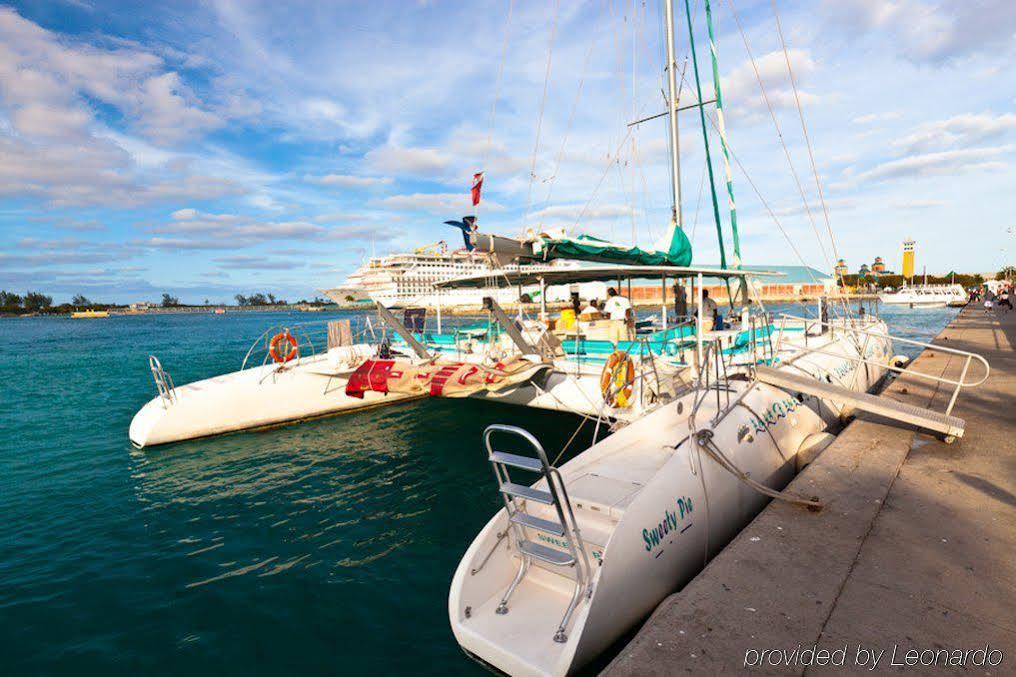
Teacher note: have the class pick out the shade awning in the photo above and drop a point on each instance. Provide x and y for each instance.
(594, 274)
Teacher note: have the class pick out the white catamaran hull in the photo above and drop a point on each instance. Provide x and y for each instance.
(653, 508)
(257, 397)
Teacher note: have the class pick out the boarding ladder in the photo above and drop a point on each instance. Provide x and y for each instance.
(946, 424)
(517, 497)
(163, 382)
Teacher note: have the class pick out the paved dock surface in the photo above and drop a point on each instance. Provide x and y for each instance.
(915, 549)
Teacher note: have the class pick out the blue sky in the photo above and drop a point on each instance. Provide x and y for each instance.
(211, 148)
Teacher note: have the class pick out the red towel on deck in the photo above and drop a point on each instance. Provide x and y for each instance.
(371, 375)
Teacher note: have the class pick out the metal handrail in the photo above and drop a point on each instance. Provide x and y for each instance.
(962, 383)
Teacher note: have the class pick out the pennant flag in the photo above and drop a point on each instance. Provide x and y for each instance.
(477, 186)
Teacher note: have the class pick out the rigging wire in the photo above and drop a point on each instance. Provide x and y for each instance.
(543, 104)
(497, 90)
(765, 204)
(807, 137)
(779, 131)
(567, 131)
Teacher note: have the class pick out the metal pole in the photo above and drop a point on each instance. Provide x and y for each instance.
(663, 305)
(675, 165)
(699, 299)
(439, 310)
(543, 299)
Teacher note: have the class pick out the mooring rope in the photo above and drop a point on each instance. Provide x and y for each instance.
(704, 440)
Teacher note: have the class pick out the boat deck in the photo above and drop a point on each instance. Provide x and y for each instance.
(914, 549)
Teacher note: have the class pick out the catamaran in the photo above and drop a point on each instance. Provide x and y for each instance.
(710, 420)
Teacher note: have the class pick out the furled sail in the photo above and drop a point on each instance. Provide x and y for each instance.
(676, 252)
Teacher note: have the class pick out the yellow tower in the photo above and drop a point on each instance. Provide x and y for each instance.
(908, 259)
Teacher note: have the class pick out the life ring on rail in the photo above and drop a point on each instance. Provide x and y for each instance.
(617, 379)
(292, 351)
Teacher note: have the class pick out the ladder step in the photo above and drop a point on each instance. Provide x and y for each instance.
(545, 554)
(547, 526)
(516, 461)
(522, 491)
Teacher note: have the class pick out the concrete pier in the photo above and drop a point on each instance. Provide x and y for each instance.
(915, 549)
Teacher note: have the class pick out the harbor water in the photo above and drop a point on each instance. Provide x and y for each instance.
(326, 546)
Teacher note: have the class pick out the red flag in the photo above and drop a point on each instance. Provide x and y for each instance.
(477, 186)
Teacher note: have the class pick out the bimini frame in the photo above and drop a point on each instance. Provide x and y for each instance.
(610, 273)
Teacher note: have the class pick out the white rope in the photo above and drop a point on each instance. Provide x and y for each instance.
(704, 440)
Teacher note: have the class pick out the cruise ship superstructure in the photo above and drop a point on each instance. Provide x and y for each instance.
(403, 280)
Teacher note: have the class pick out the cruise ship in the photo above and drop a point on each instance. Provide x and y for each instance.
(405, 280)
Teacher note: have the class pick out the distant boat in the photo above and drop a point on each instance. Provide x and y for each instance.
(927, 296)
(220, 311)
(83, 314)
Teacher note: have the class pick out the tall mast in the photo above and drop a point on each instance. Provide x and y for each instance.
(705, 136)
(675, 165)
(723, 137)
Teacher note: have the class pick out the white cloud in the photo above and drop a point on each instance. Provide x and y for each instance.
(401, 160)
(957, 131)
(575, 211)
(952, 162)
(347, 180)
(452, 204)
(741, 89)
(883, 116)
(925, 31)
(167, 111)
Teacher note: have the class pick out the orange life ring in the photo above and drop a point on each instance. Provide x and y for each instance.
(273, 347)
(617, 379)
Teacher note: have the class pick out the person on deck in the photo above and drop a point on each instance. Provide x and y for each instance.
(619, 308)
(591, 311)
(709, 307)
(680, 301)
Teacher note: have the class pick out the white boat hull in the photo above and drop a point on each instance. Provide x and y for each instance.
(653, 508)
(258, 397)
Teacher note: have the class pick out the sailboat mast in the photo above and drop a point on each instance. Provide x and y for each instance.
(675, 165)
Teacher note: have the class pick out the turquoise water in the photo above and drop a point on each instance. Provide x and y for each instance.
(322, 547)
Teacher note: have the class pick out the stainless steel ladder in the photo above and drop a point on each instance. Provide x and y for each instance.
(517, 497)
(163, 381)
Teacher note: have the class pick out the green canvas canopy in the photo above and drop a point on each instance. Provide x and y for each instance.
(589, 248)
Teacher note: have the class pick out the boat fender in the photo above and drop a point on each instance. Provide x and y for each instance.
(899, 361)
(291, 351)
(617, 379)
(811, 447)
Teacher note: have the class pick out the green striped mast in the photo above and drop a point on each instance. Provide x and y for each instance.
(705, 134)
(721, 127)
(705, 141)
